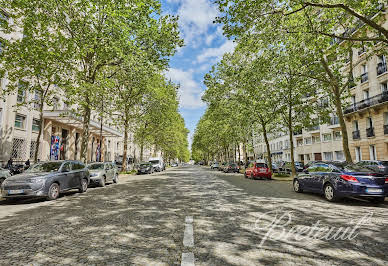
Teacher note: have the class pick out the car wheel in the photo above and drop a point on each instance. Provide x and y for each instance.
(102, 181)
(297, 187)
(330, 193)
(84, 186)
(245, 175)
(1, 181)
(53, 192)
(377, 200)
(116, 179)
(252, 177)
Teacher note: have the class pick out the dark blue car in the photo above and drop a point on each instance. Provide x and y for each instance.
(339, 180)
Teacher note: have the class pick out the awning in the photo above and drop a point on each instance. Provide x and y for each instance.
(68, 118)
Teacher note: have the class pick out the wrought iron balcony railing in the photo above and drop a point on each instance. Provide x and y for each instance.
(370, 132)
(356, 134)
(375, 100)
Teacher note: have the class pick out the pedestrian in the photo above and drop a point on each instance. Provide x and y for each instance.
(9, 163)
(27, 163)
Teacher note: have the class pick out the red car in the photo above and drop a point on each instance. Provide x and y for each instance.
(258, 170)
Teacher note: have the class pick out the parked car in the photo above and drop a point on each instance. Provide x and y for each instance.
(307, 165)
(174, 165)
(222, 166)
(298, 167)
(157, 163)
(275, 167)
(339, 180)
(215, 166)
(378, 166)
(102, 173)
(4, 173)
(47, 179)
(257, 170)
(145, 168)
(231, 168)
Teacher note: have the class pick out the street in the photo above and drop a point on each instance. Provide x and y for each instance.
(189, 214)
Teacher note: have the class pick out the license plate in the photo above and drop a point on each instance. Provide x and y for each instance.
(374, 190)
(262, 170)
(17, 191)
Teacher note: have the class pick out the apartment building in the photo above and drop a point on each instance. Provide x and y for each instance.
(318, 143)
(62, 128)
(366, 116)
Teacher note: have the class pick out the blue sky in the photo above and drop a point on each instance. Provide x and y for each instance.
(204, 46)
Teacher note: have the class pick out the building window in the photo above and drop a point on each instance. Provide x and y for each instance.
(32, 149)
(372, 152)
(37, 99)
(358, 154)
(20, 121)
(316, 139)
(381, 65)
(384, 87)
(339, 155)
(326, 137)
(18, 149)
(337, 135)
(366, 94)
(353, 99)
(55, 103)
(355, 125)
(328, 156)
(1, 120)
(21, 92)
(307, 141)
(35, 125)
(299, 142)
(364, 73)
(369, 122)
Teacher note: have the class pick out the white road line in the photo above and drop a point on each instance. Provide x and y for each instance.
(188, 237)
(187, 259)
(189, 219)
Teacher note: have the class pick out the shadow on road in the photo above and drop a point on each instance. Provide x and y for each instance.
(142, 222)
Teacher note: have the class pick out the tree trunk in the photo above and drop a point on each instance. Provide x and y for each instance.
(40, 130)
(344, 130)
(141, 151)
(291, 133)
(337, 101)
(239, 154)
(124, 163)
(85, 131)
(268, 147)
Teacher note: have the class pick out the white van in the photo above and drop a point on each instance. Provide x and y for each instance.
(157, 163)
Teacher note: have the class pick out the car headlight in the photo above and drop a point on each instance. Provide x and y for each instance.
(36, 180)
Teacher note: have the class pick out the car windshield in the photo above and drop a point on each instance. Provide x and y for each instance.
(261, 165)
(154, 161)
(45, 167)
(233, 164)
(385, 163)
(96, 166)
(354, 168)
(145, 164)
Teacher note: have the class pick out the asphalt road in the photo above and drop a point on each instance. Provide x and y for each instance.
(192, 213)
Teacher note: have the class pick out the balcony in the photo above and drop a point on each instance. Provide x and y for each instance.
(356, 134)
(313, 128)
(364, 77)
(381, 68)
(370, 132)
(297, 132)
(375, 100)
(385, 129)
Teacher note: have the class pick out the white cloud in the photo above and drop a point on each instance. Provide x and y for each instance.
(190, 92)
(215, 54)
(195, 18)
